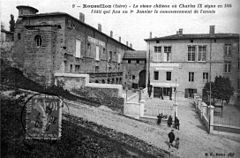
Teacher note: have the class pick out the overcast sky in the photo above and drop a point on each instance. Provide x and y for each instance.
(136, 27)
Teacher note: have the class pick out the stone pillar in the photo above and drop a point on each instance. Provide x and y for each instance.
(142, 102)
(211, 113)
(199, 102)
(204, 110)
(152, 92)
(175, 111)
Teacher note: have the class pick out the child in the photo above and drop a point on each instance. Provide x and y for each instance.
(176, 143)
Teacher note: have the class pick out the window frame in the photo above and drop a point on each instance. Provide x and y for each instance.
(191, 53)
(202, 53)
(156, 75)
(227, 66)
(168, 75)
(191, 76)
(78, 47)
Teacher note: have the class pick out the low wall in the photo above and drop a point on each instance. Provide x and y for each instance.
(75, 81)
(207, 116)
(71, 81)
(109, 95)
(132, 109)
(225, 128)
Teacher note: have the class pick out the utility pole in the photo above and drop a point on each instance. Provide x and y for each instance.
(210, 84)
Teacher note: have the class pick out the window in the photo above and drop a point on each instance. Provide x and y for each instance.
(129, 61)
(96, 68)
(191, 53)
(202, 51)
(104, 50)
(157, 49)
(77, 68)
(19, 36)
(167, 52)
(168, 76)
(65, 66)
(133, 77)
(97, 53)
(89, 46)
(71, 67)
(191, 77)
(227, 50)
(205, 77)
(137, 62)
(110, 56)
(238, 84)
(119, 58)
(78, 49)
(227, 66)
(155, 75)
(38, 40)
(157, 41)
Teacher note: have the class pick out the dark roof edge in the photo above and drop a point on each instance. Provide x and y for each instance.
(227, 35)
(25, 6)
(66, 14)
(29, 26)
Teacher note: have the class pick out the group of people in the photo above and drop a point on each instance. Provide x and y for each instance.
(172, 141)
(169, 121)
(176, 122)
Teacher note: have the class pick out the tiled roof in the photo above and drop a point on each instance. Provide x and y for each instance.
(135, 55)
(195, 36)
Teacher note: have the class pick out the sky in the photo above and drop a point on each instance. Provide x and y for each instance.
(133, 27)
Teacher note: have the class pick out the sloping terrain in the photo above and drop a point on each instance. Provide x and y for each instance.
(80, 138)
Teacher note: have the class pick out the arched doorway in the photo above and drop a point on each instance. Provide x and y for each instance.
(142, 79)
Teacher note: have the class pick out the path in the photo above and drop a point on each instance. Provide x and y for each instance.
(196, 142)
(194, 139)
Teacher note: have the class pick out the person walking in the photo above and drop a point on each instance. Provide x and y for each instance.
(169, 121)
(176, 143)
(171, 137)
(176, 123)
(159, 118)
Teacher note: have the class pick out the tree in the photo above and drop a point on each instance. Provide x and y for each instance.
(12, 23)
(221, 89)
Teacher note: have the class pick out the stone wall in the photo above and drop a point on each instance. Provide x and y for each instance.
(109, 95)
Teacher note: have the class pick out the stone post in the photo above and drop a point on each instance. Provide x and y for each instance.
(199, 102)
(204, 110)
(211, 114)
(152, 92)
(175, 111)
(141, 108)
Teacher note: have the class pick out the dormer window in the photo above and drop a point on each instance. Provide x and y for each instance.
(38, 40)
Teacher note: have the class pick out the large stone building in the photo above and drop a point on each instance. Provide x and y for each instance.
(134, 66)
(49, 43)
(187, 61)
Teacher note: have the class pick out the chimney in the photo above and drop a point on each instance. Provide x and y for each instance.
(212, 30)
(127, 43)
(150, 35)
(119, 39)
(100, 27)
(81, 17)
(180, 31)
(130, 45)
(111, 33)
